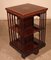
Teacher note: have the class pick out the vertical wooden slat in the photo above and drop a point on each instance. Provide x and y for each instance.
(8, 25)
(44, 26)
(42, 33)
(15, 28)
(45, 20)
(41, 21)
(17, 21)
(41, 26)
(11, 26)
(12, 23)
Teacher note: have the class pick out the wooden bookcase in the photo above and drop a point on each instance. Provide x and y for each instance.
(22, 28)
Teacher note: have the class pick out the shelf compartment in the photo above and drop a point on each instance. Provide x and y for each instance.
(24, 49)
(33, 46)
(25, 32)
(30, 30)
(37, 43)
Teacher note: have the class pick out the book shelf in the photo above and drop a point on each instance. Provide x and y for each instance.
(22, 28)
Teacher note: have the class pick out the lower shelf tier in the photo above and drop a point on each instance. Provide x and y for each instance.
(26, 50)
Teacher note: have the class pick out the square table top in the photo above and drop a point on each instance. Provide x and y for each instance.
(26, 10)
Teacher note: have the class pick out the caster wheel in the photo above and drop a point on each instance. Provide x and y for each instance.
(36, 52)
(23, 56)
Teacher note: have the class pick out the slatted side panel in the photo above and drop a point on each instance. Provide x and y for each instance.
(12, 21)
